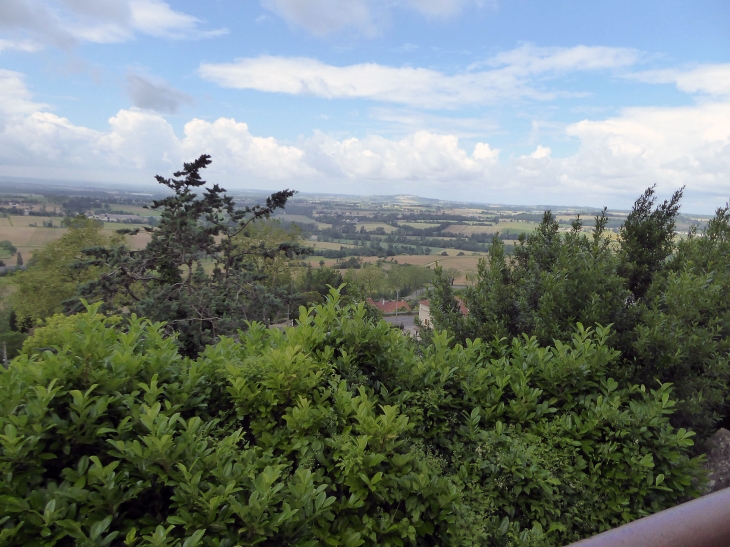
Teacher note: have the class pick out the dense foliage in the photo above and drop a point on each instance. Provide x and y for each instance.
(666, 299)
(207, 269)
(335, 432)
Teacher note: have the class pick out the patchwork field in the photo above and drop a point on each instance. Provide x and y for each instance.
(372, 226)
(502, 227)
(301, 219)
(29, 236)
(28, 239)
(467, 229)
(419, 225)
(331, 246)
(136, 210)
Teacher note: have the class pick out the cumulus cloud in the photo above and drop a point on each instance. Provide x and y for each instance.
(239, 154)
(15, 97)
(153, 94)
(617, 158)
(509, 76)
(671, 146)
(541, 152)
(323, 17)
(420, 156)
(65, 23)
(707, 79)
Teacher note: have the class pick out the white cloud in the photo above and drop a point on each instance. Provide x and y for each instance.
(671, 146)
(157, 18)
(238, 154)
(65, 23)
(405, 120)
(617, 157)
(541, 152)
(530, 59)
(323, 17)
(15, 97)
(708, 79)
(511, 77)
(420, 156)
(19, 45)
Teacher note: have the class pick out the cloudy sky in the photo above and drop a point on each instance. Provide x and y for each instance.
(503, 101)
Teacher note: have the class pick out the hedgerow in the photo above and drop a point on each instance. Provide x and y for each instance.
(335, 432)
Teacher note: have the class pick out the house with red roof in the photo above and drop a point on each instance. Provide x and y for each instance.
(390, 306)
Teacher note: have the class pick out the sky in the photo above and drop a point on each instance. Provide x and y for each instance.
(530, 102)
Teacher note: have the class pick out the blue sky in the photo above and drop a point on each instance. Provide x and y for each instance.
(522, 101)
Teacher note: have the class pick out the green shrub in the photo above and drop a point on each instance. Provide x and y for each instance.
(336, 432)
(685, 333)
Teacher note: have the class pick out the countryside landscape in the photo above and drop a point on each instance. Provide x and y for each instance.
(406, 229)
(364, 273)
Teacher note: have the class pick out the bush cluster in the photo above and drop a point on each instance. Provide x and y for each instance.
(334, 432)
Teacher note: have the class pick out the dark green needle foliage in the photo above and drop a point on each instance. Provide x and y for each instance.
(647, 240)
(666, 299)
(335, 432)
(684, 336)
(197, 273)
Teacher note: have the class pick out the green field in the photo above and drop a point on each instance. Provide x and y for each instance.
(372, 226)
(419, 225)
(328, 245)
(135, 210)
(301, 219)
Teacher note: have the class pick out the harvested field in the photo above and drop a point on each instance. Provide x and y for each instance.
(314, 261)
(40, 236)
(329, 245)
(467, 212)
(139, 241)
(21, 221)
(502, 227)
(31, 238)
(25, 236)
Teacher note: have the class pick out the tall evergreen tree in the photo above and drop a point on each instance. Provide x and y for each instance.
(647, 239)
(197, 273)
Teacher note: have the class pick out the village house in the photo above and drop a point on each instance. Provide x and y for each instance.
(424, 311)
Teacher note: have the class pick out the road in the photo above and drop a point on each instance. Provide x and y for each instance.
(407, 320)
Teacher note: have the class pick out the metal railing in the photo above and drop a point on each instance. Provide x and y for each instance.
(704, 522)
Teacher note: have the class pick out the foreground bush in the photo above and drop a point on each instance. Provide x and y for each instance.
(335, 432)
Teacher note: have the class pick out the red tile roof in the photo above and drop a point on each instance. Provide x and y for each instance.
(390, 305)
